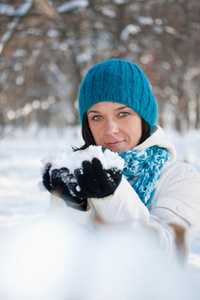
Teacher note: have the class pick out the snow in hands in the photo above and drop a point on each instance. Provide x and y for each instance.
(73, 160)
(90, 173)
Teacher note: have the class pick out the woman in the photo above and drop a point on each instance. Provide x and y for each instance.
(118, 112)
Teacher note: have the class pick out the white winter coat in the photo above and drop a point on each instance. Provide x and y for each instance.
(176, 199)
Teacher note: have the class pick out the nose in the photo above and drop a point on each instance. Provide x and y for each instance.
(111, 127)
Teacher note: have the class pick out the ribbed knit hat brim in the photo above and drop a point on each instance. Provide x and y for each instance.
(119, 81)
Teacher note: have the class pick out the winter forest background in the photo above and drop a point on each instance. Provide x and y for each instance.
(47, 46)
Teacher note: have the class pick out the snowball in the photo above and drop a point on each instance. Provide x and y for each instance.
(73, 160)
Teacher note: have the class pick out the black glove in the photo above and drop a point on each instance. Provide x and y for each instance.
(57, 183)
(94, 181)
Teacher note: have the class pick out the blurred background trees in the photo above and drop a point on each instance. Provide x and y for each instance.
(47, 46)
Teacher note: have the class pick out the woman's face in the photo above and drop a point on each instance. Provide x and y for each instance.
(114, 126)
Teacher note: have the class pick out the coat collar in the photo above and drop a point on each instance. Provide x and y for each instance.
(159, 138)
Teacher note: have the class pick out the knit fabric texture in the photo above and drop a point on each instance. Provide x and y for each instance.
(119, 81)
(142, 169)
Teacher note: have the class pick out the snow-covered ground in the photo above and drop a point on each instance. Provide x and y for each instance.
(20, 161)
(20, 171)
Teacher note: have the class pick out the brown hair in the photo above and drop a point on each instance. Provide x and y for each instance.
(89, 139)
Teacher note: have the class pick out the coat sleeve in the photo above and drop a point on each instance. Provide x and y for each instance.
(176, 201)
(59, 209)
(124, 206)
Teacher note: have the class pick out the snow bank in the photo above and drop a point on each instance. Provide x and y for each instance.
(52, 259)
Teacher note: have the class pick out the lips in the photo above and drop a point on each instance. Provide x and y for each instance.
(114, 144)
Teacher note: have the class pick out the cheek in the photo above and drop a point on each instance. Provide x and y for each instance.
(95, 131)
(135, 130)
(138, 128)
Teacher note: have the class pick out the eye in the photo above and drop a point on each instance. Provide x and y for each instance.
(124, 114)
(97, 118)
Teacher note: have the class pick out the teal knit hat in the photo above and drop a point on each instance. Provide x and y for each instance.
(119, 81)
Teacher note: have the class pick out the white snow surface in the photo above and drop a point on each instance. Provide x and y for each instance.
(53, 259)
(73, 160)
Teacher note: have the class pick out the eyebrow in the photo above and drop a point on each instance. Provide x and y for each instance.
(93, 111)
(97, 112)
(121, 107)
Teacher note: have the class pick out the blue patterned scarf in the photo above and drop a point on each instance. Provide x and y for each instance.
(142, 169)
